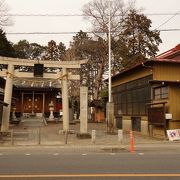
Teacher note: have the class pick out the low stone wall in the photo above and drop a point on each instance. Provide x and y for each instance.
(127, 124)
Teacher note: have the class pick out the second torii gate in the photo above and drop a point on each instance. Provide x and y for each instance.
(62, 76)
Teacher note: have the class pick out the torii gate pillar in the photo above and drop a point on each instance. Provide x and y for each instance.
(7, 98)
(65, 100)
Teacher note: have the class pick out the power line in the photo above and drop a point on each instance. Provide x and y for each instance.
(168, 20)
(48, 33)
(43, 15)
(89, 32)
(161, 14)
(169, 30)
(70, 15)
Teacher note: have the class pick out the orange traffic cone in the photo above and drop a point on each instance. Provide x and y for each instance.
(131, 142)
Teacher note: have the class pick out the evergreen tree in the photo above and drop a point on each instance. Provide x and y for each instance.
(55, 52)
(6, 48)
(137, 41)
(26, 50)
(22, 49)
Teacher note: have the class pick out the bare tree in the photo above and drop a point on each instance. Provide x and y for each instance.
(5, 20)
(97, 12)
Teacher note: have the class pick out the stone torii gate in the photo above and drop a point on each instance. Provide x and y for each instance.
(63, 76)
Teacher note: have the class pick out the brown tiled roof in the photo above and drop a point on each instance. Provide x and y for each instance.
(170, 54)
(167, 60)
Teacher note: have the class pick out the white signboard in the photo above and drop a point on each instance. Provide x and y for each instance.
(173, 134)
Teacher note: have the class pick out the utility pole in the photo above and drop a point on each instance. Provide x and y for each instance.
(109, 51)
(110, 104)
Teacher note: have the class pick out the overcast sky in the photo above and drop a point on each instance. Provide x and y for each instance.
(74, 24)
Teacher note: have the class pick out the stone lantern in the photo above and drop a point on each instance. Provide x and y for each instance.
(13, 113)
(51, 109)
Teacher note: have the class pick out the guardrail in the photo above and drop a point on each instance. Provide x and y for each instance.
(12, 135)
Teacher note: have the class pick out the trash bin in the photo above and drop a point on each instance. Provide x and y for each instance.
(118, 121)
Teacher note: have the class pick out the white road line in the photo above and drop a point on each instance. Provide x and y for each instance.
(84, 154)
(56, 154)
(85, 175)
(27, 154)
(141, 153)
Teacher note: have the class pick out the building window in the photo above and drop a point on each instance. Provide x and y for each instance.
(160, 92)
(132, 97)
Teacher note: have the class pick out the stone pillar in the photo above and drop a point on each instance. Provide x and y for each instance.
(83, 109)
(110, 117)
(7, 98)
(65, 100)
(83, 114)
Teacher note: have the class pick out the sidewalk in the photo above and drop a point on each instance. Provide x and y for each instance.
(34, 133)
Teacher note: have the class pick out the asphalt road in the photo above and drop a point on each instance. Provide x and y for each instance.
(53, 164)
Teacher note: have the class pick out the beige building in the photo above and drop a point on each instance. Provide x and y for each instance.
(147, 95)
